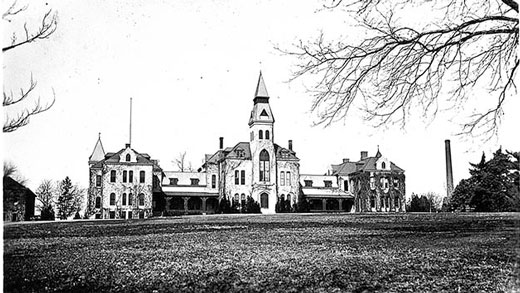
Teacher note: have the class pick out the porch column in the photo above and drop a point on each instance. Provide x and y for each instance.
(204, 203)
(186, 203)
(324, 204)
(340, 204)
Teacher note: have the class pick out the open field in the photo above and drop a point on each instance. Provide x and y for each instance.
(291, 252)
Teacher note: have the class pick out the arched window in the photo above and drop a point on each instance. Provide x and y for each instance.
(267, 134)
(112, 199)
(243, 177)
(128, 157)
(141, 176)
(235, 198)
(383, 165)
(113, 176)
(130, 176)
(237, 178)
(260, 134)
(288, 178)
(98, 202)
(124, 199)
(264, 201)
(141, 199)
(264, 166)
(130, 199)
(213, 181)
(124, 176)
(282, 178)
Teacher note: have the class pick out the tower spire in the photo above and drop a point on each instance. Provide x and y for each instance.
(130, 132)
(261, 89)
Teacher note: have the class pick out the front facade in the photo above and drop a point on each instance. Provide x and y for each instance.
(128, 184)
(120, 184)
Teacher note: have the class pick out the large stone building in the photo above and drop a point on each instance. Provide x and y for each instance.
(128, 184)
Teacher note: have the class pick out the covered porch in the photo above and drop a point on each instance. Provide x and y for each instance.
(329, 200)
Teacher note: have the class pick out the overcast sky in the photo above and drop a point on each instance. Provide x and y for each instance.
(191, 68)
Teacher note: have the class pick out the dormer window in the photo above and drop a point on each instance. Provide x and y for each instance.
(128, 157)
(194, 181)
(383, 165)
(174, 181)
(327, 183)
(264, 114)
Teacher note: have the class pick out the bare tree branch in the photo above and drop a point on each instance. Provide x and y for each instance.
(399, 69)
(47, 28)
(22, 119)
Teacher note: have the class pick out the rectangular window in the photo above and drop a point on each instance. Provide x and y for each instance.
(112, 199)
(124, 199)
(213, 181)
(141, 199)
(98, 180)
(288, 178)
(141, 177)
(237, 179)
(345, 185)
(243, 177)
(327, 183)
(130, 199)
(124, 176)
(194, 181)
(282, 178)
(131, 176)
(264, 171)
(308, 183)
(174, 181)
(113, 176)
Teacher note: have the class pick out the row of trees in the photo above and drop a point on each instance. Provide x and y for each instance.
(429, 202)
(62, 197)
(494, 185)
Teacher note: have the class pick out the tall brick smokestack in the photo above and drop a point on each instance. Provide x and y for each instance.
(449, 170)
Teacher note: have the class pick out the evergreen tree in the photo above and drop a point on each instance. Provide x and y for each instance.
(492, 187)
(70, 198)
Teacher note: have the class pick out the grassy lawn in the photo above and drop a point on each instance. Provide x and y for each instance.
(291, 252)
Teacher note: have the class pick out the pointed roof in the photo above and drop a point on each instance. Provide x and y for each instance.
(378, 155)
(99, 153)
(261, 89)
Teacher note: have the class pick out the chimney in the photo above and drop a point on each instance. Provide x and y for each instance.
(364, 154)
(346, 160)
(290, 144)
(221, 144)
(127, 145)
(449, 170)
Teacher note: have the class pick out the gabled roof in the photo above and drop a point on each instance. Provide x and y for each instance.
(116, 157)
(284, 154)
(367, 164)
(241, 150)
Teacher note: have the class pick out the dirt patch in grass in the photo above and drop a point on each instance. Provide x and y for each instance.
(334, 252)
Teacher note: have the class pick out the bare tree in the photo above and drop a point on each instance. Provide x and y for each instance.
(181, 163)
(11, 170)
(434, 201)
(45, 194)
(44, 31)
(398, 68)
